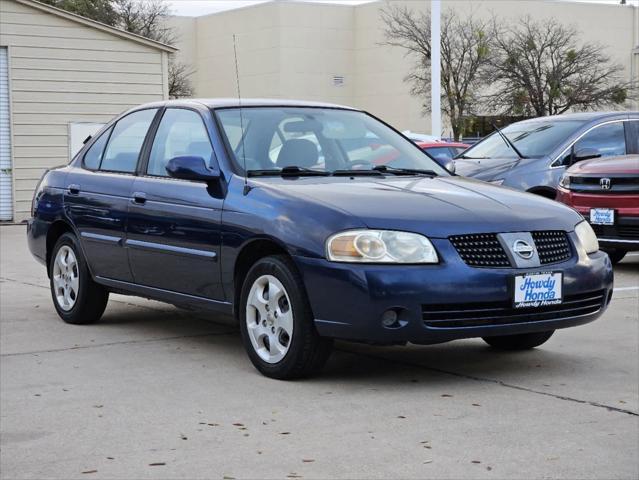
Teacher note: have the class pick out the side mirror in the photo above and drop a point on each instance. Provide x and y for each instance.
(191, 168)
(584, 154)
(449, 165)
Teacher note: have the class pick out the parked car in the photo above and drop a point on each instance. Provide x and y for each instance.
(532, 155)
(606, 193)
(444, 153)
(181, 202)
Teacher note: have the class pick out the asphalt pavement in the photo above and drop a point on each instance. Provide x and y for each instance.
(156, 392)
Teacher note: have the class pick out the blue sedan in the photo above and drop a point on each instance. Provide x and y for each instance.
(279, 214)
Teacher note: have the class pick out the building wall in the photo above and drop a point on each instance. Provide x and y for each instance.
(291, 49)
(285, 50)
(60, 72)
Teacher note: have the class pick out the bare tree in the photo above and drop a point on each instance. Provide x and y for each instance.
(146, 18)
(99, 10)
(541, 68)
(179, 79)
(465, 47)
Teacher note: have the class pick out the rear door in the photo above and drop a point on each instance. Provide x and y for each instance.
(174, 225)
(98, 194)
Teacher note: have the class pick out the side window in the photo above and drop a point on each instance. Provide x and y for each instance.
(608, 140)
(632, 136)
(181, 133)
(93, 157)
(123, 149)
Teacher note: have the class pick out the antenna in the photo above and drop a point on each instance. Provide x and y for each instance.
(239, 100)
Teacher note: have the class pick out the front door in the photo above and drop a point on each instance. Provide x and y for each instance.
(174, 225)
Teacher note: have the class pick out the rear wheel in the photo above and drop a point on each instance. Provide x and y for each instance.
(277, 325)
(523, 341)
(76, 297)
(616, 255)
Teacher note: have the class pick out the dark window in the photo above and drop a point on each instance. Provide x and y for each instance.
(632, 136)
(608, 139)
(181, 133)
(123, 149)
(93, 157)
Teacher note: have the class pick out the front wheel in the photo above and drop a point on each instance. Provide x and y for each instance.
(524, 341)
(76, 297)
(277, 325)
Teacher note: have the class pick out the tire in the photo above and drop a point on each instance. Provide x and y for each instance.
(616, 255)
(277, 324)
(524, 341)
(76, 297)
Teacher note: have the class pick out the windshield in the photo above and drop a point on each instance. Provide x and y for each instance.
(315, 140)
(533, 139)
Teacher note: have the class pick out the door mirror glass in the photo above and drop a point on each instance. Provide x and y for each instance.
(191, 168)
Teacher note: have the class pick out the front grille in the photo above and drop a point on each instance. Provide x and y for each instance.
(480, 250)
(460, 315)
(485, 250)
(552, 246)
(619, 184)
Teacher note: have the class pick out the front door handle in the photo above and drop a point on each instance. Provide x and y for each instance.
(139, 198)
(73, 189)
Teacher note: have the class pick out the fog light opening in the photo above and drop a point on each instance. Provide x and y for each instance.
(390, 319)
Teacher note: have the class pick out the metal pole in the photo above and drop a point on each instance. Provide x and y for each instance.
(435, 68)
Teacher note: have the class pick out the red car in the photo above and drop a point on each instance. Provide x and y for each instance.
(606, 192)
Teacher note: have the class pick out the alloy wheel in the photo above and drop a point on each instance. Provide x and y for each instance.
(269, 318)
(66, 278)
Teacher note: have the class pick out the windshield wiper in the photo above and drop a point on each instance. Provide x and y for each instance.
(466, 157)
(508, 142)
(403, 171)
(290, 171)
(353, 173)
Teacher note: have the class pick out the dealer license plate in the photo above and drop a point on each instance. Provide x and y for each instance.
(538, 289)
(602, 216)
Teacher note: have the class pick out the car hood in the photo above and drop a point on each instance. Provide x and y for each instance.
(437, 207)
(485, 168)
(627, 164)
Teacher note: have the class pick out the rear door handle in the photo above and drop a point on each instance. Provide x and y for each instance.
(74, 189)
(139, 198)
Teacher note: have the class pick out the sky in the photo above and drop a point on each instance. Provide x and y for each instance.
(204, 7)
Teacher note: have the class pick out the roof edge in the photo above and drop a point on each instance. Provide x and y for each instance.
(98, 25)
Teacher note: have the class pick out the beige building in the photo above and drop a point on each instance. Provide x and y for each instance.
(61, 77)
(333, 52)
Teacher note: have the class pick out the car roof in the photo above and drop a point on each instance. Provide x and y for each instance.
(245, 102)
(586, 116)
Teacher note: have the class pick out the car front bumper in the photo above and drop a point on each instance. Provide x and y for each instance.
(348, 300)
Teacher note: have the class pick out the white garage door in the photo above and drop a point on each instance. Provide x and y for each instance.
(6, 202)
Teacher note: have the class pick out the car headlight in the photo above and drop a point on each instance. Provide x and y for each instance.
(380, 246)
(497, 182)
(565, 181)
(587, 237)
